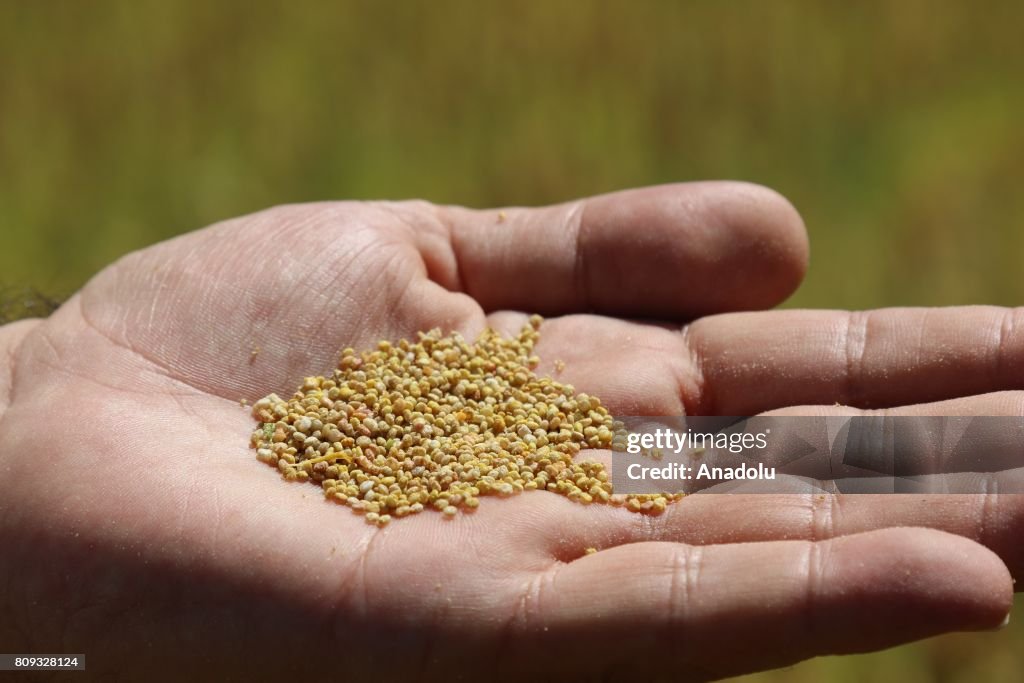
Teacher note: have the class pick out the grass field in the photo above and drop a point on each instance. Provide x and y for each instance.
(895, 127)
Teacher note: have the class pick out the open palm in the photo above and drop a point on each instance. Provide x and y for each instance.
(138, 527)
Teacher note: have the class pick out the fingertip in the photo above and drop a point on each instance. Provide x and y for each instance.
(697, 248)
(986, 584)
(925, 582)
(772, 250)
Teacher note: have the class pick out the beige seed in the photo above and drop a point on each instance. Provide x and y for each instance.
(440, 422)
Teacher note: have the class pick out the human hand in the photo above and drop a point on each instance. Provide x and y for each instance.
(138, 527)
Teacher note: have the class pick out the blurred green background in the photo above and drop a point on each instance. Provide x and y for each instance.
(895, 127)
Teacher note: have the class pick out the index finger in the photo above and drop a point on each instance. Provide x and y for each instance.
(867, 359)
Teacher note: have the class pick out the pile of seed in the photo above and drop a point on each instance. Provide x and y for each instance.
(440, 423)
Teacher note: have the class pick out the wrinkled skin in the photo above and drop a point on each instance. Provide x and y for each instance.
(138, 527)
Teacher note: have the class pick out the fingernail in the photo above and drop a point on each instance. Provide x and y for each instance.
(1003, 624)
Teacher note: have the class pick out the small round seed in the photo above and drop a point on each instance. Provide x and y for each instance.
(439, 422)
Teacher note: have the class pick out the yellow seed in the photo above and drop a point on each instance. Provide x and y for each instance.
(439, 422)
